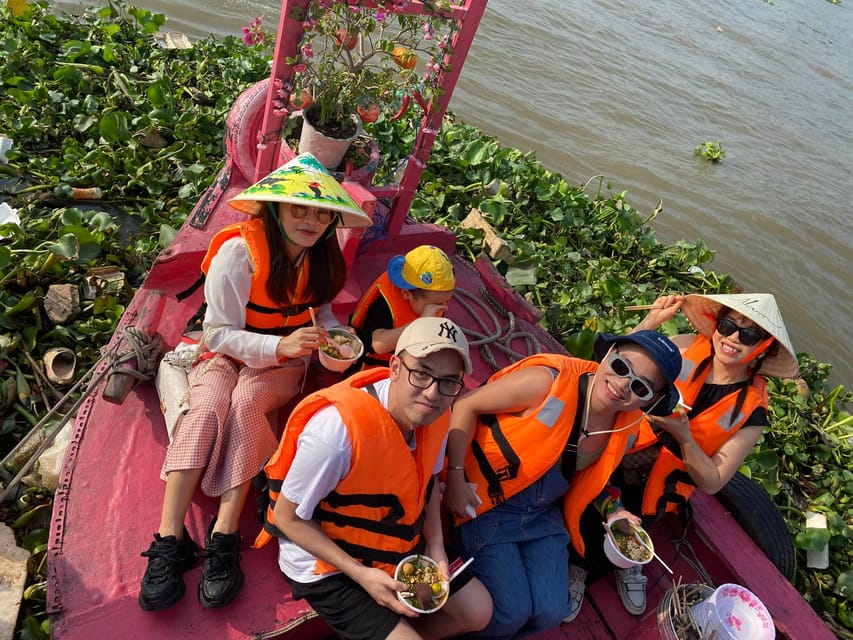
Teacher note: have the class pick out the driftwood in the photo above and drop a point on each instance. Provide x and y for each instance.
(495, 246)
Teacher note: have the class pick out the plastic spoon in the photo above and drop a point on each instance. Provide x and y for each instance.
(646, 545)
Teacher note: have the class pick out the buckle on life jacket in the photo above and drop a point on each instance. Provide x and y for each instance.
(506, 473)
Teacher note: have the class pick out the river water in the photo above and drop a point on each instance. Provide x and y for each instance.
(627, 90)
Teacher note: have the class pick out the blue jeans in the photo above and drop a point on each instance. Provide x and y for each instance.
(520, 550)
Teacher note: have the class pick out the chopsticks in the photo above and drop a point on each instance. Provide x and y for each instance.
(640, 307)
(460, 569)
(313, 317)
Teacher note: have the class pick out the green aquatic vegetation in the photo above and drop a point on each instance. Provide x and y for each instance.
(710, 151)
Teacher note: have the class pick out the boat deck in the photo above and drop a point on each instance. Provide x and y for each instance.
(106, 517)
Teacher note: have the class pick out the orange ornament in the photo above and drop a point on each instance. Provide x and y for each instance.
(404, 58)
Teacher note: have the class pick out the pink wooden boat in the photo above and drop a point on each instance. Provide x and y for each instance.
(109, 498)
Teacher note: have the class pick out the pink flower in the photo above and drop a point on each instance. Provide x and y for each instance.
(300, 67)
(253, 34)
(308, 51)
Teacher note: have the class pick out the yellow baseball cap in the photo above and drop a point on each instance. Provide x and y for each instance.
(424, 267)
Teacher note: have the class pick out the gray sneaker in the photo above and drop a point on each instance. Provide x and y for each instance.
(631, 585)
(577, 587)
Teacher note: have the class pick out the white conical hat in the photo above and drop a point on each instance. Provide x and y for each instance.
(761, 308)
(304, 181)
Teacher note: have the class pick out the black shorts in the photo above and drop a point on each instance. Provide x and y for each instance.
(350, 611)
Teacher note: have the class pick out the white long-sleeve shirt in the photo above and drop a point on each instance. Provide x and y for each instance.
(226, 290)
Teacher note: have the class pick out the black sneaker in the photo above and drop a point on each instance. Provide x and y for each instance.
(163, 582)
(222, 578)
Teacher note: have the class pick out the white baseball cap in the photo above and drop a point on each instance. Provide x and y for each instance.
(428, 335)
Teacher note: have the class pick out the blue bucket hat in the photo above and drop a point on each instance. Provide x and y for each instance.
(665, 354)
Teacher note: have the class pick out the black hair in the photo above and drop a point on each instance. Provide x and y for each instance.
(328, 269)
(754, 366)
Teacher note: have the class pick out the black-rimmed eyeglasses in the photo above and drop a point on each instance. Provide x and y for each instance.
(450, 387)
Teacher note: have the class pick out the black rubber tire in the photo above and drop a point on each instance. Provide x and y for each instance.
(757, 514)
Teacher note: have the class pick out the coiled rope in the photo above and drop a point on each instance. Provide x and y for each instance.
(146, 349)
(493, 334)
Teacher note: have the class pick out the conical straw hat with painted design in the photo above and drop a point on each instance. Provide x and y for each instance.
(761, 308)
(306, 182)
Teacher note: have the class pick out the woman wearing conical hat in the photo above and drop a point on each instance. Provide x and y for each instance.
(262, 279)
(741, 339)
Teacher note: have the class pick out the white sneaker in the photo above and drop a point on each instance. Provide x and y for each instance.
(577, 586)
(631, 585)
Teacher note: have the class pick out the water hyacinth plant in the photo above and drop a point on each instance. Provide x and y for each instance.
(710, 151)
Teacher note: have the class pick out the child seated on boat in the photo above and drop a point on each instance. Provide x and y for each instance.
(416, 285)
(354, 493)
(528, 450)
(742, 339)
(262, 277)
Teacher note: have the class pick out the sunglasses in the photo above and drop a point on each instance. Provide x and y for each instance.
(747, 336)
(622, 368)
(322, 216)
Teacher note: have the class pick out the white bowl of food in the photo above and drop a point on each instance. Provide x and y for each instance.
(341, 350)
(426, 591)
(622, 547)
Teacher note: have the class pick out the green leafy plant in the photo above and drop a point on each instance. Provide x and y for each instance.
(358, 57)
(710, 151)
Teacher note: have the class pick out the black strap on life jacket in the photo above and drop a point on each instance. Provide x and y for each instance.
(290, 310)
(494, 477)
(671, 496)
(369, 556)
(186, 293)
(569, 459)
(261, 484)
(388, 525)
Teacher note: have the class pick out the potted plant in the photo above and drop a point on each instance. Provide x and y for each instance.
(359, 61)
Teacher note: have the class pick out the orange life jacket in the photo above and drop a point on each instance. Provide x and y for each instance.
(377, 511)
(589, 482)
(509, 452)
(263, 314)
(401, 314)
(669, 486)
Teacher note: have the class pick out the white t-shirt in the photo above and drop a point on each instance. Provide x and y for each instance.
(323, 457)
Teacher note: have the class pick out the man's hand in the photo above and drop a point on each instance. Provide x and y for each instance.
(383, 589)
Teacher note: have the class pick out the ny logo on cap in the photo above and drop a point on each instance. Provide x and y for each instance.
(447, 329)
